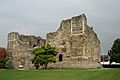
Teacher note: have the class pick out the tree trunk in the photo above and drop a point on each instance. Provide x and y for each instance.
(110, 62)
(46, 65)
(37, 66)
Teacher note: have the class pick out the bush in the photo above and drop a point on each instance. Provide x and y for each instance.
(2, 64)
(8, 64)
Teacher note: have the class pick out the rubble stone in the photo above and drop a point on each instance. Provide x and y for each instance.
(77, 43)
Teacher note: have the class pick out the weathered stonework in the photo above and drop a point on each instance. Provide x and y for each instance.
(20, 48)
(77, 44)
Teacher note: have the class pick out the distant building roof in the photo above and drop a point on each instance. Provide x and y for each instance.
(107, 63)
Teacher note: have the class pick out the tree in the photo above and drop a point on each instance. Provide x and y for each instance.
(44, 55)
(114, 53)
(8, 63)
(2, 64)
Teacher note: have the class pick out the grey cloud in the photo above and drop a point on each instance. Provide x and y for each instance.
(41, 16)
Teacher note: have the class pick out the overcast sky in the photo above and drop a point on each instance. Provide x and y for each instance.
(38, 17)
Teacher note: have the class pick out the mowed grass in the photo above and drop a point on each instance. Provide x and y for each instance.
(61, 74)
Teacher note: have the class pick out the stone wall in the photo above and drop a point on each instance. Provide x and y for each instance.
(77, 44)
(20, 48)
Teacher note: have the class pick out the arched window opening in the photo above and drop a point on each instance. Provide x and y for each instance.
(34, 45)
(60, 57)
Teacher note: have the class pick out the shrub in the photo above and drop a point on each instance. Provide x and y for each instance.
(2, 64)
(8, 64)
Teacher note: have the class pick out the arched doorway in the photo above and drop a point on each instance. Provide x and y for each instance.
(60, 57)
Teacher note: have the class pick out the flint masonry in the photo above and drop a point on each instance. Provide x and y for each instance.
(20, 47)
(77, 45)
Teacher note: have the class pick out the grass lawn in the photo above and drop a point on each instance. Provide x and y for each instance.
(61, 74)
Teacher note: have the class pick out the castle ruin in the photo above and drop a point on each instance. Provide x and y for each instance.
(77, 45)
(20, 47)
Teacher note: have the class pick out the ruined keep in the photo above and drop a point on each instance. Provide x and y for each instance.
(77, 44)
(20, 47)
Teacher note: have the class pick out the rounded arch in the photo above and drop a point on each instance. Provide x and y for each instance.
(60, 57)
(34, 45)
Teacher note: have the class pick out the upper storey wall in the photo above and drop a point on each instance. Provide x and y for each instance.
(75, 26)
(78, 24)
(15, 38)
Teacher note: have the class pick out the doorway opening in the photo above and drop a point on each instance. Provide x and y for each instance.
(60, 57)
